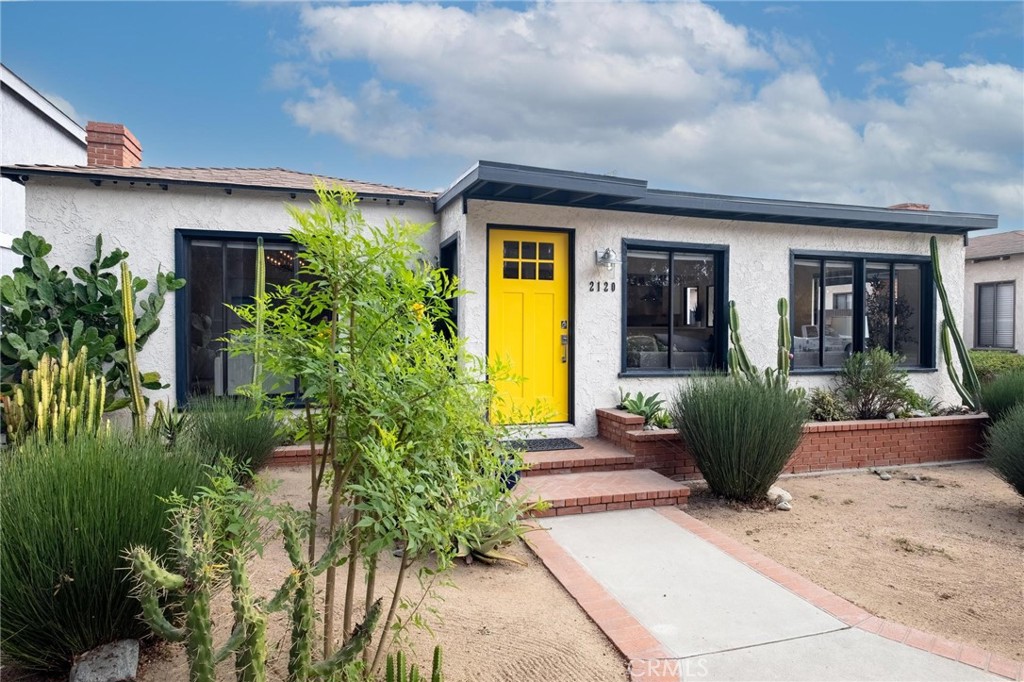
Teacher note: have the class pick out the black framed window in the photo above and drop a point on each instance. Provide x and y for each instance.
(220, 269)
(994, 315)
(673, 307)
(841, 304)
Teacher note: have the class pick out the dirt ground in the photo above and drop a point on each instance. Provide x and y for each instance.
(500, 622)
(944, 554)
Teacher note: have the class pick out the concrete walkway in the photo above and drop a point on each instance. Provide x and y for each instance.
(682, 601)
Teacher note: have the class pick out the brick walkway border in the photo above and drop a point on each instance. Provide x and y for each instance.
(644, 652)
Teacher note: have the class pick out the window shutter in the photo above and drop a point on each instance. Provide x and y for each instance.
(1003, 315)
(986, 316)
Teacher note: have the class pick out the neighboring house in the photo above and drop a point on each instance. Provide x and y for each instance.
(34, 131)
(587, 284)
(993, 297)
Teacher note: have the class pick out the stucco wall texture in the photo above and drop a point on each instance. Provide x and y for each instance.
(37, 140)
(1009, 270)
(142, 220)
(758, 264)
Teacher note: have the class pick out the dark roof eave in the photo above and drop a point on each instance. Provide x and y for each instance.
(633, 196)
(19, 174)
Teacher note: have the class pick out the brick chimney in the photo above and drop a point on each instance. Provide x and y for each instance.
(111, 144)
(910, 207)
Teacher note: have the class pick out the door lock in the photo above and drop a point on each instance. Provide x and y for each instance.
(565, 348)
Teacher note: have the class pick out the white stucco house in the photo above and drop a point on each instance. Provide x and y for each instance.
(993, 300)
(587, 284)
(35, 131)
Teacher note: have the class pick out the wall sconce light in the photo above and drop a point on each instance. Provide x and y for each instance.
(607, 258)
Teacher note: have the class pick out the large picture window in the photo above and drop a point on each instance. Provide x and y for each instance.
(674, 310)
(842, 305)
(221, 271)
(994, 314)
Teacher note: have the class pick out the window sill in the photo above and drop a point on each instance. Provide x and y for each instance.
(653, 373)
(831, 371)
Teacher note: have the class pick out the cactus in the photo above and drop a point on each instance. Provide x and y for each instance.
(396, 669)
(168, 423)
(261, 314)
(967, 385)
(59, 399)
(137, 403)
(195, 587)
(250, 624)
(738, 360)
(785, 340)
(300, 654)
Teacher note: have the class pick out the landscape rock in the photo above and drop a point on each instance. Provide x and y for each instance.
(885, 476)
(777, 494)
(114, 662)
(784, 506)
(890, 416)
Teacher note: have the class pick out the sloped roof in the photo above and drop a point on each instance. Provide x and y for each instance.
(995, 245)
(280, 179)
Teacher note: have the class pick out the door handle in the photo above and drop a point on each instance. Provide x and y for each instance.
(565, 348)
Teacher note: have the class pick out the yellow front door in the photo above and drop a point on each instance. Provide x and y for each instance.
(528, 323)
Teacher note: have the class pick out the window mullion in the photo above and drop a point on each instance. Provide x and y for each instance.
(671, 308)
(820, 322)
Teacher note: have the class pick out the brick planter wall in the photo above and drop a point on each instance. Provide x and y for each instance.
(290, 455)
(825, 445)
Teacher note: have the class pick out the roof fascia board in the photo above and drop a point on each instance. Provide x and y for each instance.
(35, 100)
(19, 174)
(817, 211)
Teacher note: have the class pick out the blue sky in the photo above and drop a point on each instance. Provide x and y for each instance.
(860, 102)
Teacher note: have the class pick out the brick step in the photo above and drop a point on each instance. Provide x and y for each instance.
(596, 455)
(602, 491)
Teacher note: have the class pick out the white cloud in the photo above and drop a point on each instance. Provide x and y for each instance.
(64, 106)
(662, 91)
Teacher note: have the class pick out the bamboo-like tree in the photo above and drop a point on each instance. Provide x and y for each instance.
(394, 409)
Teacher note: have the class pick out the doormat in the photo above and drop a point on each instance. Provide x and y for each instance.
(543, 444)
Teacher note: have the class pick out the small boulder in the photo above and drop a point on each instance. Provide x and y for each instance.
(114, 662)
(784, 506)
(777, 494)
(885, 476)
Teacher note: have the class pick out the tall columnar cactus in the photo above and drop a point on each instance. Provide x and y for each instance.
(250, 624)
(137, 403)
(966, 385)
(738, 360)
(58, 400)
(261, 314)
(785, 341)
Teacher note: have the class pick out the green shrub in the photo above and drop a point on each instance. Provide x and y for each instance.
(647, 407)
(828, 406)
(740, 432)
(70, 510)
(1002, 393)
(1005, 449)
(873, 384)
(992, 363)
(232, 428)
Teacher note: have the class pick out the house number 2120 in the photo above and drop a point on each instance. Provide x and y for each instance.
(602, 286)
